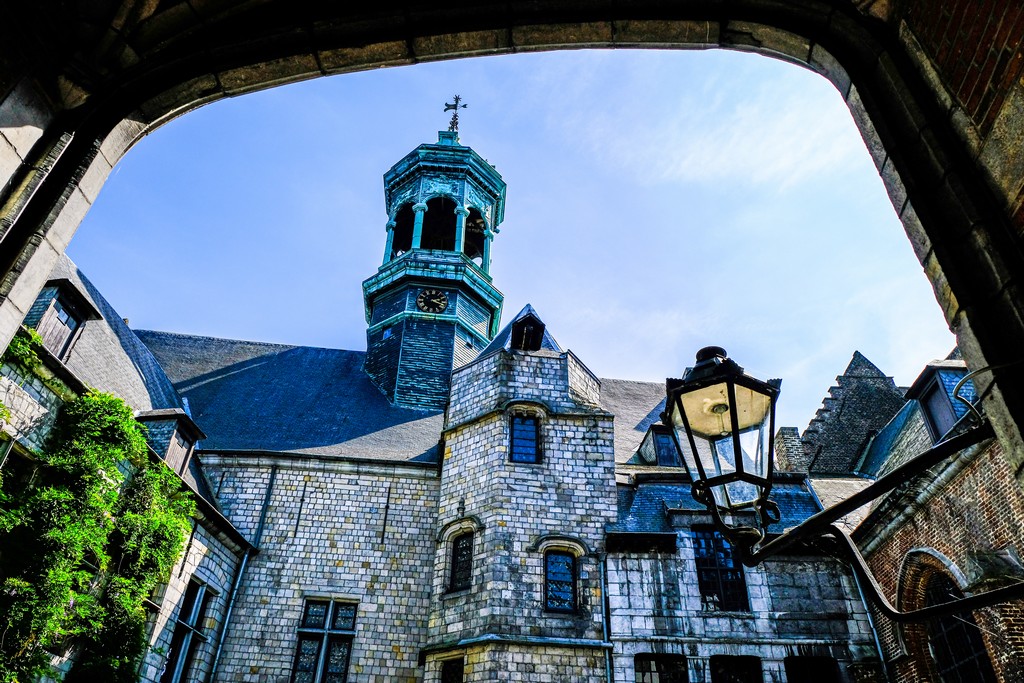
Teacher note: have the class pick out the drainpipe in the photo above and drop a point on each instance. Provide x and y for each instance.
(606, 622)
(249, 552)
(863, 600)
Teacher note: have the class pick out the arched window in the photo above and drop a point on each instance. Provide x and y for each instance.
(954, 641)
(461, 566)
(475, 227)
(401, 241)
(559, 581)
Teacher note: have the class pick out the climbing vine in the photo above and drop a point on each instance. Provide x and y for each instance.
(24, 351)
(81, 548)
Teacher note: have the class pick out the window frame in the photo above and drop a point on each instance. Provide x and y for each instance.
(680, 663)
(711, 574)
(188, 631)
(535, 458)
(449, 676)
(574, 581)
(460, 577)
(750, 668)
(326, 635)
(58, 336)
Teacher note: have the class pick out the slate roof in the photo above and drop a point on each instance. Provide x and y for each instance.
(503, 340)
(642, 508)
(251, 396)
(110, 357)
(636, 406)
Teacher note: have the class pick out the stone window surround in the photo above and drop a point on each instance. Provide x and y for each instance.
(716, 535)
(532, 409)
(332, 599)
(446, 537)
(917, 565)
(449, 658)
(561, 544)
(178, 665)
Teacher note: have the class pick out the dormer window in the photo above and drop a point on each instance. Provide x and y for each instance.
(58, 314)
(659, 448)
(933, 390)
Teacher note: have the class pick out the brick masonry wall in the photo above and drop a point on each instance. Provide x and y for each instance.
(979, 509)
(323, 537)
(978, 48)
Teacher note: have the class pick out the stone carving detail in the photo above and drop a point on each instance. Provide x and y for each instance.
(406, 194)
(433, 187)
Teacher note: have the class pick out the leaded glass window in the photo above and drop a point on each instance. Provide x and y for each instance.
(324, 641)
(524, 446)
(189, 634)
(954, 640)
(559, 581)
(719, 574)
(462, 562)
(651, 668)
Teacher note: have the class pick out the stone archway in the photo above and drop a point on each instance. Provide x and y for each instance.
(79, 90)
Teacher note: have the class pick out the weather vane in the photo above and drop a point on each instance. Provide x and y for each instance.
(454, 109)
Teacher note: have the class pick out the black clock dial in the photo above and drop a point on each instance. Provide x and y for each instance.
(432, 301)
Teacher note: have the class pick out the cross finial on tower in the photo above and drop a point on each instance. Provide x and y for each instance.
(454, 109)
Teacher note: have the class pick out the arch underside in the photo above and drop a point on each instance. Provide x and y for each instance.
(107, 80)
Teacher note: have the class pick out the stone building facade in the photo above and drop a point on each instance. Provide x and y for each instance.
(458, 503)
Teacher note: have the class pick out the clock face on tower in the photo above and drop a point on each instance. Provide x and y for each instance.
(432, 301)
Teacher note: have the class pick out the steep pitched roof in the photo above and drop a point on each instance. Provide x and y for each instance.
(250, 396)
(503, 340)
(636, 406)
(108, 356)
(863, 400)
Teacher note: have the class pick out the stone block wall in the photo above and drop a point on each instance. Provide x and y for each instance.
(515, 662)
(518, 508)
(559, 381)
(799, 606)
(209, 559)
(569, 493)
(334, 529)
(32, 404)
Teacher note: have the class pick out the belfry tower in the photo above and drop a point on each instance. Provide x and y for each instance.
(431, 306)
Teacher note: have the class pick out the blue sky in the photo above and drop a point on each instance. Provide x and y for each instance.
(657, 202)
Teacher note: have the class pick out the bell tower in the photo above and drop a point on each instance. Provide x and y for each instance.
(431, 306)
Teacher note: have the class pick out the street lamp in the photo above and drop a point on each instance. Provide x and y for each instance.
(724, 424)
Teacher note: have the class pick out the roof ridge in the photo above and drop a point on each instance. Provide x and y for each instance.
(243, 341)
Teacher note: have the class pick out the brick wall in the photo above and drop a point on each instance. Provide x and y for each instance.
(979, 509)
(977, 47)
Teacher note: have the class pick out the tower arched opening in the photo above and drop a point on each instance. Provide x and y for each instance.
(439, 225)
(475, 228)
(405, 219)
